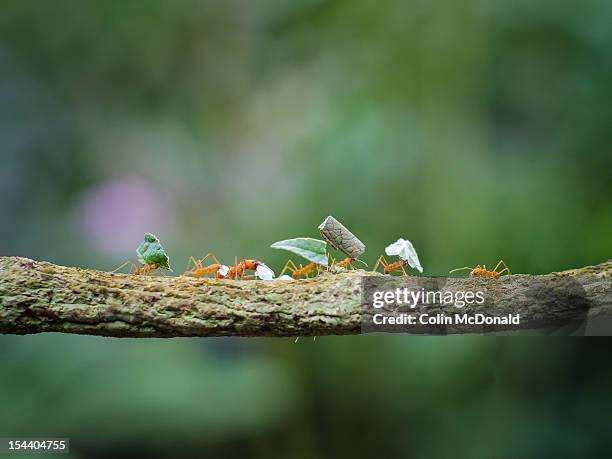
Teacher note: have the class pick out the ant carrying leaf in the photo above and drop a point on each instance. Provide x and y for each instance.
(344, 264)
(403, 249)
(151, 255)
(341, 239)
(314, 250)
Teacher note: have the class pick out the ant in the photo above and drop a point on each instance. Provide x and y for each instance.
(306, 270)
(237, 271)
(296, 272)
(390, 267)
(136, 270)
(222, 271)
(345, 263)
(218, 269)
(481, 271)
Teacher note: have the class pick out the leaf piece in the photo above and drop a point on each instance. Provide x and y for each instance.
(404, 249)
(314, 250)
(150, 252)
(263, 272)
(340, 238)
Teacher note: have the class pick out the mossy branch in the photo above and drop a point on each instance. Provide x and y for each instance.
(38, 297)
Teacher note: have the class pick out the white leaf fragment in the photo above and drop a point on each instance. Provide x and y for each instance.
(285, 277)
(404, 249)
(263, 272)
(223, 270)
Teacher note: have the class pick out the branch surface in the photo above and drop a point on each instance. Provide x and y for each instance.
(38, 297)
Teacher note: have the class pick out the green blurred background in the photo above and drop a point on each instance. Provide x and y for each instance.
(479, 130)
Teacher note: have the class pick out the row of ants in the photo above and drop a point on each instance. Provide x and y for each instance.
(238, 270)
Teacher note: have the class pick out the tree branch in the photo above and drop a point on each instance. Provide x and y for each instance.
(38, 297)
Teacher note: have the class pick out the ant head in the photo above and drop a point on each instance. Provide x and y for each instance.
(251, 264)
(478, 270)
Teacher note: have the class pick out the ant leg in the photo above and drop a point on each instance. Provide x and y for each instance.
(120, 267)
(504, 265)
(381, 260)
(332, 260)
(384, 261)
(377, 264)
(404, 271)
(289, 266)
(196, 264)
(211, 255)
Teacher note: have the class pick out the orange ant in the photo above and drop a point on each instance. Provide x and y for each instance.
(481, 271)
(346, 263)
(306, 270)
(391, 267)
(237, 271)
(296, 272)
(136, 270)
(146, 269)
(222, 271)
(218, 269)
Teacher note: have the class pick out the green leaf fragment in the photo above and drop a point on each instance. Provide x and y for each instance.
(150, 252)
(313, 250)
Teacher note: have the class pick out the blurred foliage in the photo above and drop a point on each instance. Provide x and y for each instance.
(478, 130)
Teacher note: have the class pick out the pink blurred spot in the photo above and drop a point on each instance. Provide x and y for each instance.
(115, 215)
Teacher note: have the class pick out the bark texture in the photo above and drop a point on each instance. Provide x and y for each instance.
(38, 297)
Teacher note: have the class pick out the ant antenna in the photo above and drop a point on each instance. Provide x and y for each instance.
(361, 261)
(117, 269)
(460, 269)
